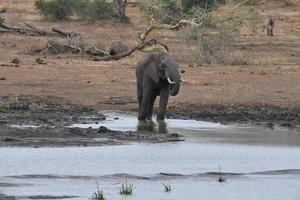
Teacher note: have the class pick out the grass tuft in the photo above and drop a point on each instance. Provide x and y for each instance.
(99, 195)
(167, 187)
(126, 189)
(221, 177)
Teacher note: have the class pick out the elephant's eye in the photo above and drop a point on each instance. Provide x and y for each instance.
(162, 67)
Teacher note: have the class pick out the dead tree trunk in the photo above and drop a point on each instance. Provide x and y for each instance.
(119, 7)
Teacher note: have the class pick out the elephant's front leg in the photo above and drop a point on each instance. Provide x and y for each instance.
(163, 102)
(146, 103)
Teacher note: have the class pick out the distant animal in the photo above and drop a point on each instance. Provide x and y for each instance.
(269, 25)
(156, 75)
(117, 47)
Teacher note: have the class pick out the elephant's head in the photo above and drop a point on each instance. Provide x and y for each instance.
(166, 69)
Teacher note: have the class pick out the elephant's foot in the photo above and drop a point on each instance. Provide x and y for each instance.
(149, 119)
(160, 117)
(141, 118)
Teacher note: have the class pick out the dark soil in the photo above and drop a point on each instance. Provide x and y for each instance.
(268, 115)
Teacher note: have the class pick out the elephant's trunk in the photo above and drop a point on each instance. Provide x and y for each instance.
(174, 88)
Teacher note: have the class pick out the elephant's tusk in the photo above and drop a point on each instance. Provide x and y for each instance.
(169, 80)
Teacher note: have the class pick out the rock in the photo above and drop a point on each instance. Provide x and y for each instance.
(103, 129)
(9, 139)
(117, 47)
(40, 61)
(15, 61)
(269, 124)
(286, 124)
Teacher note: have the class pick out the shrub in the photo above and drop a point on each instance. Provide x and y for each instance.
(55, 9)
(206, 4)
(164, 11)
(215, 31)
(170, 12)
(93, 10)
(64, 9)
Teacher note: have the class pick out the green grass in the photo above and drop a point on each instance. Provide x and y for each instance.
(167, 187)
(126, 189)
(99, 195)
(221, 177)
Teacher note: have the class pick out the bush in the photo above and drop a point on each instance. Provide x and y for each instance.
(93, 10)
(215, 31)
(164, 11)
(55, 9)
(169, 13)
(64, 9)
(205, 4)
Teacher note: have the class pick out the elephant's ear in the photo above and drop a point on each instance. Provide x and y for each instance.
(152, 69)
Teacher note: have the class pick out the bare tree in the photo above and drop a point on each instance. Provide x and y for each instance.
(119, 7)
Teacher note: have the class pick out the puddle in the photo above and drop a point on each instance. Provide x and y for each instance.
(128, 121)
(201, 131)
(258, 163)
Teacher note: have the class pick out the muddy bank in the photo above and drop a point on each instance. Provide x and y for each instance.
(4, 197)
(262, 114)
(43, 121)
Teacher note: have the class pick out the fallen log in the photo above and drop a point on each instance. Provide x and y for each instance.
(54, 47)
(64, 34)
(34, 31)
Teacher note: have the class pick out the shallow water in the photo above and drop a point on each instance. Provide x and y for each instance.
(257, 153)
(201, 131)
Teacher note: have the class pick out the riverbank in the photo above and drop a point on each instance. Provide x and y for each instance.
(46, 121)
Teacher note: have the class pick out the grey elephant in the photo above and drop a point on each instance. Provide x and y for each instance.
(156, 75)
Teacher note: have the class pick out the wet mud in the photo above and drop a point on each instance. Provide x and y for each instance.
(258, 114)
(44, 121)
(4, 197)
(162, 176)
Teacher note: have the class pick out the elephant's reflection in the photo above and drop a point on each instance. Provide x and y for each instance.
(162, 127)
(150, 126)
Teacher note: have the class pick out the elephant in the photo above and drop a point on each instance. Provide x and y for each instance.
(156, 75)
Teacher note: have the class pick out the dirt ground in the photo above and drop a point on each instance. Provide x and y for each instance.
(270, 78)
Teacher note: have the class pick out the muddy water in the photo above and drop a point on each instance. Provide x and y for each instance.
(257, 162)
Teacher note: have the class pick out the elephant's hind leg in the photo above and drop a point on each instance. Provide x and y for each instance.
(139, 97)
(163, 102)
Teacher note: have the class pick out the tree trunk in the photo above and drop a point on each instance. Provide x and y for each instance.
(119, 7)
